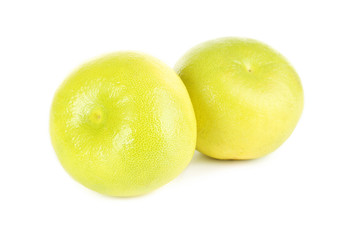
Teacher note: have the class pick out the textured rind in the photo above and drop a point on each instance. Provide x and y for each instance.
(246, 96)
(123, 124)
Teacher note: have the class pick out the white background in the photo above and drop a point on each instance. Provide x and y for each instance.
(307, 189)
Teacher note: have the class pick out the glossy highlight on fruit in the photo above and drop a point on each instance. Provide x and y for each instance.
(123, 124)
(246, 96)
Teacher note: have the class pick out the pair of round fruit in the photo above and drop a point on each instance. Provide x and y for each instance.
(125, 124)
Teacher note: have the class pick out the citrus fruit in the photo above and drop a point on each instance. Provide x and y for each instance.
(246, 96)
(123, 124)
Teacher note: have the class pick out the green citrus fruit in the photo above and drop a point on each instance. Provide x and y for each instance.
(123, 124)
(246, 96)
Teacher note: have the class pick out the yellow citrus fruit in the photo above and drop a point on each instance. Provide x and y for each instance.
(123, 124)
(246, 96)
